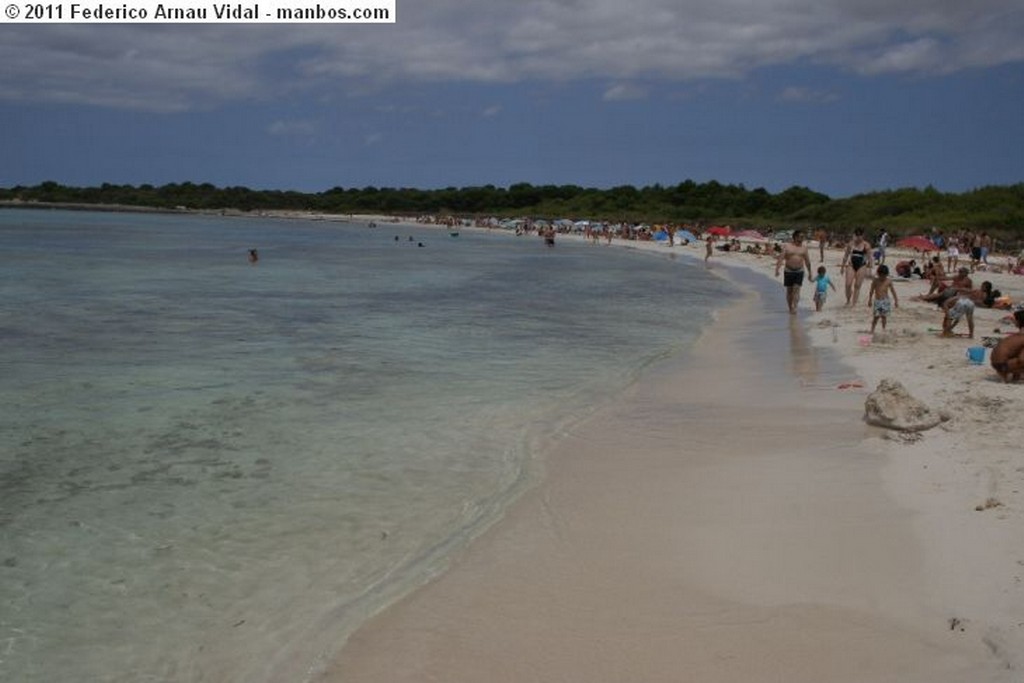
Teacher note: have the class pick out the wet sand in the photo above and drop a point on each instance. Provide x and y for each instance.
(722, 522)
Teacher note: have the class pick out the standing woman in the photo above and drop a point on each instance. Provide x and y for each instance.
(953, 253)
(856, 265)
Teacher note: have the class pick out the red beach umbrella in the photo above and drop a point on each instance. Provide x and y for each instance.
(918, 243)
(721, 230)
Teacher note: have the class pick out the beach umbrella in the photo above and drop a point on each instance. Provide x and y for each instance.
(918, 243)
(661, 236)
(721, 230)
(685, 235)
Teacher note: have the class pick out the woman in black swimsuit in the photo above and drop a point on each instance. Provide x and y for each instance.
(856, 265)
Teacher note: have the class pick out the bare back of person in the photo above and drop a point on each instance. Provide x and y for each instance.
(1008, 357)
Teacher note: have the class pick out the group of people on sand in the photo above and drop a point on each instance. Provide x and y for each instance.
(956, 296)
(795, 259)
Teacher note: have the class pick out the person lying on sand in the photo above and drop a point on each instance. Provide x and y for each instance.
(982, 298)
(986, 296)
(1008, 355)
(908, 268)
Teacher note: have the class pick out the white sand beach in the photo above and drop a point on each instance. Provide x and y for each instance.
(725, 521)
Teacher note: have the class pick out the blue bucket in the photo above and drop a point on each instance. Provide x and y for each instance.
(976, 354)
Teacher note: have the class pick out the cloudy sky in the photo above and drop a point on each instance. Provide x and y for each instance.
(842, 96)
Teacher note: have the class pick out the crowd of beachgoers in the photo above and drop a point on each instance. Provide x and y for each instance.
(977, 250)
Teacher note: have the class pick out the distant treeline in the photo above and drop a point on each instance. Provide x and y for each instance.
(997, 209)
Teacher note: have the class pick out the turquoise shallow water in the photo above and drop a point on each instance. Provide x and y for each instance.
(212, 471)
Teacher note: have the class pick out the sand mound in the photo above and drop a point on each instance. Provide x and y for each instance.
(891, 406)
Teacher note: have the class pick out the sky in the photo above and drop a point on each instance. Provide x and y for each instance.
(841, 96)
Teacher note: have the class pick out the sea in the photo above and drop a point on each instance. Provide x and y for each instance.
(213, 470)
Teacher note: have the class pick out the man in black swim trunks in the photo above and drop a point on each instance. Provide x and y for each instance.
(795, 258)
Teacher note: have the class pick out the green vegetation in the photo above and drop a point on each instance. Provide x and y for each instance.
(997, 209)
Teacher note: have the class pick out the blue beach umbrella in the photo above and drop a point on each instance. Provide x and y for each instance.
(685, 235)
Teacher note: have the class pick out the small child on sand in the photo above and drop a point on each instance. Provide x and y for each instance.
(822, 283)
(881, 290)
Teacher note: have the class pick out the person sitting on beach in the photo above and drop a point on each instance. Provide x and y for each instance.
(960, 284)
(883, 294)
(960, 306)
(986, 296)
(1007, 356)
(983, 298)
(908, 269)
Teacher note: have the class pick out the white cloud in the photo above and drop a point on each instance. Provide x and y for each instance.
(924, 54)
(625, 91)
(491, 111)
(169, 68)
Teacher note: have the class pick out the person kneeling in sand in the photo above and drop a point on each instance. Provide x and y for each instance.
(960, 306)
(1008, 355)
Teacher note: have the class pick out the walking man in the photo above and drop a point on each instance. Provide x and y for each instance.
(796, 260)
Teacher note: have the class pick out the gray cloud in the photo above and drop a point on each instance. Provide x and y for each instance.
(294, 128)
(625, 91)
(797, 93)
(169, 68)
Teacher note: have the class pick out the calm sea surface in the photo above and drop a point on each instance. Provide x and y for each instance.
(213, 471)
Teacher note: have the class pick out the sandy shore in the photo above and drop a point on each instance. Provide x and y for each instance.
(734, 519)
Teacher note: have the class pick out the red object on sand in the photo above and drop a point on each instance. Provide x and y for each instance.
(719, 230)
(917, 242)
